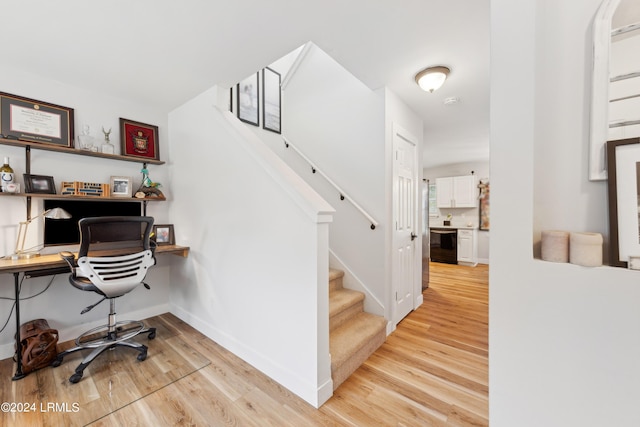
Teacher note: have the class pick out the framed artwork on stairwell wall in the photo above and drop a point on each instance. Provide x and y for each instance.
(271, 99)
(248, 98)
(623, 165)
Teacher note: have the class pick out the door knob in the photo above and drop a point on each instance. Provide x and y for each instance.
(413, 236)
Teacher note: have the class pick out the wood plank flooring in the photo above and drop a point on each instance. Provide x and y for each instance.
(431, 371)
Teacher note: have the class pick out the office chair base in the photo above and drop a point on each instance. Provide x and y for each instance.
(110, 334)
(99, 343)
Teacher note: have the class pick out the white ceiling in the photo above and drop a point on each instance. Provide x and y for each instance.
(165, 52)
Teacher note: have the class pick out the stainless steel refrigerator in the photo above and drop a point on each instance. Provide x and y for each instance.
(425, 232)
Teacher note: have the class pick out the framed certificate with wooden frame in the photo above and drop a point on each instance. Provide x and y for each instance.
(35, 121)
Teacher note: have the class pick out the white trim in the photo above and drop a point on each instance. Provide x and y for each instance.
(296, 385)
(400, 132)
(600, 90)
(372, 304)
(296, 64)
(72, 332)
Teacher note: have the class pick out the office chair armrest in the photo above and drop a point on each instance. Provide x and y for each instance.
(70, 258)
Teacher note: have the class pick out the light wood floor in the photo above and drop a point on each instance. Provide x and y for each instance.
(431, 371)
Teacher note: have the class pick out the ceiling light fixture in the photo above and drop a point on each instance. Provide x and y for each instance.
(432, 78)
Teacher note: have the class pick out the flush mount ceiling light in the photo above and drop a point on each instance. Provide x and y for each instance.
(432, 78)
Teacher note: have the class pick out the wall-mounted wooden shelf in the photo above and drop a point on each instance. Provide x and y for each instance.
(95, 198)
(50, 147)
(67, 150)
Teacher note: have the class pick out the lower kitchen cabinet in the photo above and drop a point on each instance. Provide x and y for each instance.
(467, 247)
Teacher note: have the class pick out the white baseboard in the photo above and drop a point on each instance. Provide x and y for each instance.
(313, 395)
(7, 350)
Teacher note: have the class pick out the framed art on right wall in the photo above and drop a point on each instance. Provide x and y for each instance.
(623, 164)
(271, 100)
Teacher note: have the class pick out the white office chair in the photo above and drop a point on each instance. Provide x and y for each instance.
(130, 255)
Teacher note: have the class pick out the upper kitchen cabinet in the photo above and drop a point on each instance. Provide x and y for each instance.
(456, 192)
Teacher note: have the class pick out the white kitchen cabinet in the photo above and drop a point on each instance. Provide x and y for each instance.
(467, 247)
(456, 192)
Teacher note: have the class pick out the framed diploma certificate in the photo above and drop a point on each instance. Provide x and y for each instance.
(35, 121)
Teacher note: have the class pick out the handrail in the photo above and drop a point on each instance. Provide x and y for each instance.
(343, 195)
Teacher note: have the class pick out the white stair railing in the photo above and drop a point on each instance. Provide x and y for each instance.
(343, 195)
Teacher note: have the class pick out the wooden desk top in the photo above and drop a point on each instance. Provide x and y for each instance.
(43, 262)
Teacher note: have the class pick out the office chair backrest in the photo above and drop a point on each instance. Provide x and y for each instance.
(114, 232)
(129, 254)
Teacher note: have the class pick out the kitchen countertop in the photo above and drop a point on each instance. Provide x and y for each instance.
(455, 227)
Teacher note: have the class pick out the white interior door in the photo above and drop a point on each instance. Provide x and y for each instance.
(405, 216)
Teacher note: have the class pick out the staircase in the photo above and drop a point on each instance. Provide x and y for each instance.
(353, 334)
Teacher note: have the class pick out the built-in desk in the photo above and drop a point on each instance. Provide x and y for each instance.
(48, 265)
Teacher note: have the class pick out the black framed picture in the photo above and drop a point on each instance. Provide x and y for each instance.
(271, 100)
(248, 100)
(35, 121)
(42, 184)
(623, 166)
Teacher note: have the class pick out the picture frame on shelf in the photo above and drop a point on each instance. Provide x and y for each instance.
(34, 121)
(139, 140)
(623, 165)
(271, 100)
(39, 184)
(248, 100)
(121, 186)
(164, 234)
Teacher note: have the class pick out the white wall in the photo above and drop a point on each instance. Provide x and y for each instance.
(61, 303)
(338, 123)
(256, 280)
(464, 216)
(564, 339)
(336, 142)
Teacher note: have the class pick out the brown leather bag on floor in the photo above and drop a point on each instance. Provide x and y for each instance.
(39, 345)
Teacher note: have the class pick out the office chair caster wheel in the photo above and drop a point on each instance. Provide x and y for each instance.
(75, 377)
(142, 356)
(152, 333)
(56, 362)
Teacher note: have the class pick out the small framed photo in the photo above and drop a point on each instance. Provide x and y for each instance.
(41, 184)
(121, 186)
(271, 100)
(139, 140)
(248, 99)
(35, 121)
(163, 234)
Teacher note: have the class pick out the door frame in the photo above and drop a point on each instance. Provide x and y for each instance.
(416, 297)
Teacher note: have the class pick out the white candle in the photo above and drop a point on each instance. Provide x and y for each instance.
(586, 249)
(555, 246)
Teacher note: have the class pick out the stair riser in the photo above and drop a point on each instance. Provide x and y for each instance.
(345, 315)
(340, 373)
(335, 284)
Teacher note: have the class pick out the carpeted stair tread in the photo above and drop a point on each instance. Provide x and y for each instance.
(342, 299)
(334, 274)
(352, 336)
